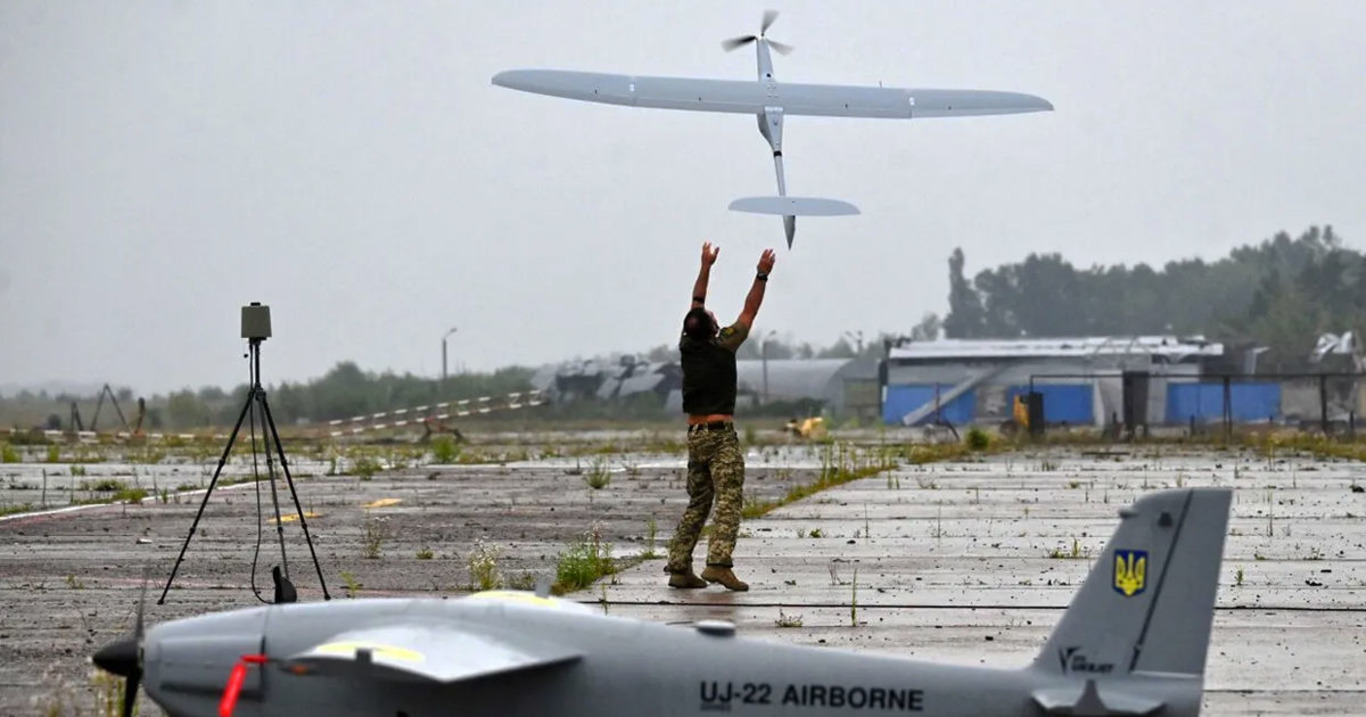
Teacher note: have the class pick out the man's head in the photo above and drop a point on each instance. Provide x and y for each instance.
(700, 324)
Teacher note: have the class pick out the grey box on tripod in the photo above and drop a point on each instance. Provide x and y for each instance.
(256, 321)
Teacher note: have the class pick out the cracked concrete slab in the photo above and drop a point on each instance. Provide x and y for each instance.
(974, 563)
(970, 562)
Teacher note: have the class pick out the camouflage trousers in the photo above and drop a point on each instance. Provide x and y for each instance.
(716, 472)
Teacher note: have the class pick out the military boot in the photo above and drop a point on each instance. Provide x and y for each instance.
(686, 580)
(715, 574)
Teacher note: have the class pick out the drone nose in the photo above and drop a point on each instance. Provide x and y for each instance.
(119, 658)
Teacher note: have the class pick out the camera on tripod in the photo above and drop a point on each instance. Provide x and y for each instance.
(256, 322)
(256, 328)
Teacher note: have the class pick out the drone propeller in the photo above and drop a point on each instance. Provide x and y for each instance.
(738, 42)
(124, 657)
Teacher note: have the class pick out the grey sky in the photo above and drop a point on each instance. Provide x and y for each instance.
(349, 163)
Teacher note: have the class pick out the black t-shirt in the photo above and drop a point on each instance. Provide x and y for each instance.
(709, 371)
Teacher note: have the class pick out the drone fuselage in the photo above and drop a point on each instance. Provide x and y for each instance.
(616, 667)
(1133, 641)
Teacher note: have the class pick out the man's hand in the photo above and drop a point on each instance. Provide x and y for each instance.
(766, 261)
(709, 254)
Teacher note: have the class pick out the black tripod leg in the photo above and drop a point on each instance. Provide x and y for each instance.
(221, 461)
(274, 494)
(270, 420)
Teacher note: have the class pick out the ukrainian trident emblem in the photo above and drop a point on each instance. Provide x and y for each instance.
(1131, 568)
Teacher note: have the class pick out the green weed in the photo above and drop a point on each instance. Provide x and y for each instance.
(853, 603)
(365, 467)
(108, 693)
(523, 580)
(597, 476)
(350, 584)
(483, 565)
(130, 495)
(753, 507)
(375, 532)
(587, 560)
(445, 450)
(104, 485)
(1074, 554)
(651, 531)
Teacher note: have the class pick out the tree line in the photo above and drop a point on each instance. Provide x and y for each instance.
(342, 392)
(1282, 294)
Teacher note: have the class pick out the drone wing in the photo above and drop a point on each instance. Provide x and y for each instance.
(436, 653)
(752, 97)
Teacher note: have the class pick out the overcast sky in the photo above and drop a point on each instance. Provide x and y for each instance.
(350, 164)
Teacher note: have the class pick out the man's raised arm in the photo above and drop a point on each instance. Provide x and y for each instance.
(756, 292)
(699, 288)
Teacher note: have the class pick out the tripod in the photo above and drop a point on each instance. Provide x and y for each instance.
(284, 590)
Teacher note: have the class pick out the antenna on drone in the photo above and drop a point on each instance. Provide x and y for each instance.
(738, 42)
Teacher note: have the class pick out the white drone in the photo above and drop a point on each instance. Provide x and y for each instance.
(770, 101)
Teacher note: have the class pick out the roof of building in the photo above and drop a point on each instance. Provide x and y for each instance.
(1169, 346)
(799, 378)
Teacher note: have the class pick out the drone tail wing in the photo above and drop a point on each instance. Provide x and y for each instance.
(794, 206)
(789, 208)
(1148, 604)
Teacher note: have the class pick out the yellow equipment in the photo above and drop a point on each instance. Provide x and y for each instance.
(809, 428)
(1021, 411)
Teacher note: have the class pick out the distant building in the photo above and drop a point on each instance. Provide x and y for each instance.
(607, 380)
(965, 381)
(843, 387)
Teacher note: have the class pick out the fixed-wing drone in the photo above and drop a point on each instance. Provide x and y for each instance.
(771, 101)
(1132, 642)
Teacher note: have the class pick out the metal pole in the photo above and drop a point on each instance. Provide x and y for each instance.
(1228, 409)
(763, 352)
(1323, 403)
(443, 354)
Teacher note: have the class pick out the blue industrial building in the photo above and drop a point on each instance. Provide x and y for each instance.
(961, 381)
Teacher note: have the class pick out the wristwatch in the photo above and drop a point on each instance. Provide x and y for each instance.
(761, 276)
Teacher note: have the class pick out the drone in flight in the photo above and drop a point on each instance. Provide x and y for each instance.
(1133, 641)
(771, 101)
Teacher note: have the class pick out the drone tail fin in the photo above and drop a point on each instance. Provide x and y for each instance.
(1148, 604)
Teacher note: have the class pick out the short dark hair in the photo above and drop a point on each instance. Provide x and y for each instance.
(697, 324)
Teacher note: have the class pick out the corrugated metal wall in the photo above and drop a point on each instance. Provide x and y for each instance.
(1205, 402)
(1073, 404)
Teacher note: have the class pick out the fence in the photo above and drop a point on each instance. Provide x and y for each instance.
(435, 412)
(1138, 400)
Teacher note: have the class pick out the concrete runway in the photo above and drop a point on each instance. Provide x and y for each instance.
(974, 563)
(968, 561)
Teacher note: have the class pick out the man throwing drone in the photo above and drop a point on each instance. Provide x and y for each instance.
(716, 464)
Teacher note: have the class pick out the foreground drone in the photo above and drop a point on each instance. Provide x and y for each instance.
(1133, 642)
(770, 102)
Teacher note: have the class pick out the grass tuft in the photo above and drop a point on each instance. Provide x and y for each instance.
(587, 560)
